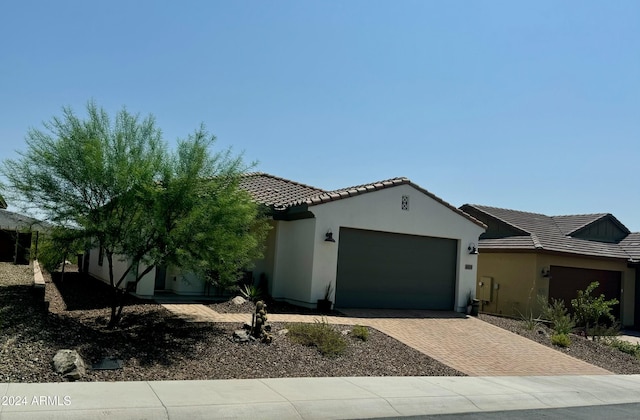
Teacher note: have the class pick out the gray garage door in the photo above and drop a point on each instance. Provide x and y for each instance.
(388, 270)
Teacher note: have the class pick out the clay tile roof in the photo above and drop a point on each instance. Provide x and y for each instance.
(550, 233)
(280, 193)
(276, 192)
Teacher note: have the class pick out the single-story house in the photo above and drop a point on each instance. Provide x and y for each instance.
(388, 244)
(524, 255)
(16, 234)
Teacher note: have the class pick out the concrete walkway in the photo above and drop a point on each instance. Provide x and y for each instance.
(467, 344)
(310, 398)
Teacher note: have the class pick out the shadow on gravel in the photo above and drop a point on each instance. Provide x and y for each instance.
(147, 336)
(82, 292)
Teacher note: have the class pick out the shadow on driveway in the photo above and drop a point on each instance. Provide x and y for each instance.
(401, 313)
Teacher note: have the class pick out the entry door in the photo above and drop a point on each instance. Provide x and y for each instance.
(161, 275)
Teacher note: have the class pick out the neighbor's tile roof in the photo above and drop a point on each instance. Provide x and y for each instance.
(550, 233)
(12, 221)
(281, 193)
(631, 244)
(572, 223)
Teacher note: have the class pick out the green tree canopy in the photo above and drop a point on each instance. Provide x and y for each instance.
(115, 183)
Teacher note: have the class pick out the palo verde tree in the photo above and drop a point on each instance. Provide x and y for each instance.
(116, 184)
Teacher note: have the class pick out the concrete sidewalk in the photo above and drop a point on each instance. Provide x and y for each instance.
(310, 398)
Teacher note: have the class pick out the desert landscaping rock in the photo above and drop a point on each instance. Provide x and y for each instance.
(238, 300)
(242, 336)
(69, 364)
(154, 345)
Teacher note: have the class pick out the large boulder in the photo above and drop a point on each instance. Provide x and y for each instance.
(69, 364)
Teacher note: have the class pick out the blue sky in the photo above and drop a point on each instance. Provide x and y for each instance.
(533, 106)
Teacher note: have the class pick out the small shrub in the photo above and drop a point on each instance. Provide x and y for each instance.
(563, 325)
(360, 332)
(251, 292)
(624, 346)
(557, 313)
(321, 335)
(529, 321)
(605, 331)
(560, 340)
(591, 311)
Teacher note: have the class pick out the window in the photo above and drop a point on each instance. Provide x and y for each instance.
(100, 256)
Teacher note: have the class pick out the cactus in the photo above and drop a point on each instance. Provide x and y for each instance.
(259, 323)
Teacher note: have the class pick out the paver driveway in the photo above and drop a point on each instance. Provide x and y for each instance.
(467, 344)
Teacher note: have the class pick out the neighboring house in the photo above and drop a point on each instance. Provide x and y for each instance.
(523, 255)
(388, 244)
(631, 245)
(16, 235)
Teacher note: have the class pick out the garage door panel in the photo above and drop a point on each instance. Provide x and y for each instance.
(565, 282)
(386, 270)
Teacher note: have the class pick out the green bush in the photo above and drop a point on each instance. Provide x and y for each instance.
(321, 335)
(624, 346)
(360, 332)
(590, 312)
(560, 340)
(56, 246)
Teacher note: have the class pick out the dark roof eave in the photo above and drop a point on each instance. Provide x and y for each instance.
(292, 213)
(481, 250)
(498, 219)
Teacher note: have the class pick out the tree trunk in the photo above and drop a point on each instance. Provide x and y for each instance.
(116, 308)
(119, 297)
(114, 320)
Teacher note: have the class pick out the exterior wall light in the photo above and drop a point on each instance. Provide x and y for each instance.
(545, 272)
(472, 249)
(328, 237)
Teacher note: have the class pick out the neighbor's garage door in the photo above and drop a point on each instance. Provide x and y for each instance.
(566, 281)
(389, 270)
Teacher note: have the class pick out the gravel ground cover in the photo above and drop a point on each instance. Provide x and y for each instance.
(154, 345)
(592, 352)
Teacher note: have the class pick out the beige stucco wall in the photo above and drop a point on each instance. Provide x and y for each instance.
(515, 283)
(519, 278)
(101, 272)
(266, 264)
(293, 261)
(120, 265)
